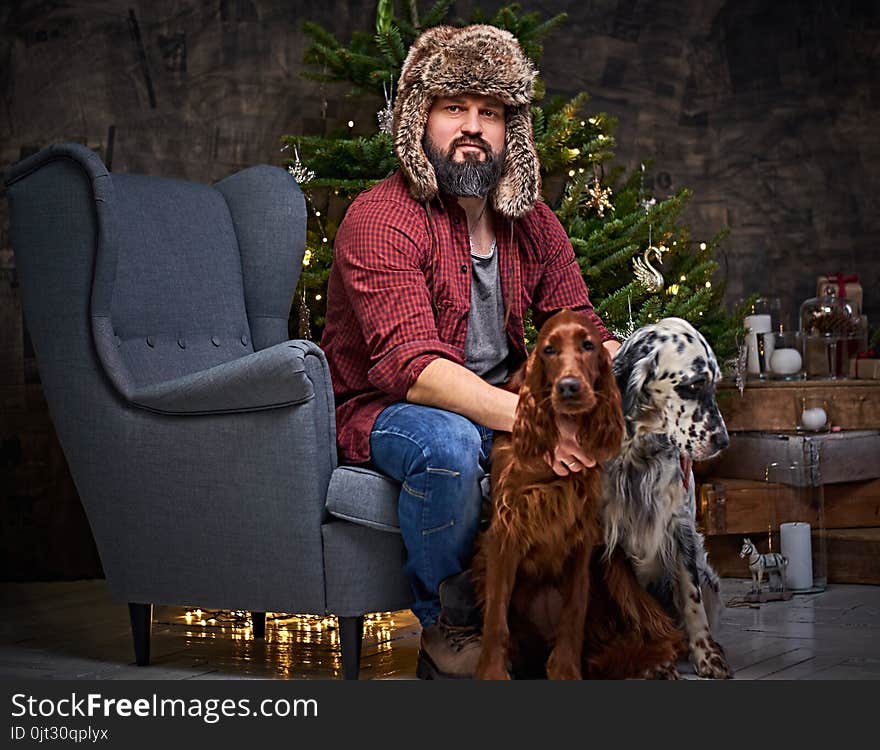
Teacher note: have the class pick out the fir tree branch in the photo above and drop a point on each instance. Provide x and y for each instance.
(437, 14)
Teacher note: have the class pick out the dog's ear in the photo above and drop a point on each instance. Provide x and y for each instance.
(516, 380)
(634, 367)
(534, 428)
(602, 430)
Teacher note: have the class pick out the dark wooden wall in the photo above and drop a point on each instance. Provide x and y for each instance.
(766, 110)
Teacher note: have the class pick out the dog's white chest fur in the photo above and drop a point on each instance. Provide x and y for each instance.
(642, 521)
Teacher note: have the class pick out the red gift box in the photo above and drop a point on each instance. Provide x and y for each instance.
(845, 285)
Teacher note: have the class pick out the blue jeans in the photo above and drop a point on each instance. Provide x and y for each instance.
(439, 458)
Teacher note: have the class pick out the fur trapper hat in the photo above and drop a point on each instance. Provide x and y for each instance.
(482, 60)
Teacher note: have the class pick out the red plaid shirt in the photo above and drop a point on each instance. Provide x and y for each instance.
(400, 291)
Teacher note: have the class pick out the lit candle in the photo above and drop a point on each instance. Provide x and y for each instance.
(794, 543)
(786, 361)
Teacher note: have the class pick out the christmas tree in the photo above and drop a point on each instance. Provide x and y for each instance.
(635, 254)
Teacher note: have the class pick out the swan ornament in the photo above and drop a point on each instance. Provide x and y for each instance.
(648, 276)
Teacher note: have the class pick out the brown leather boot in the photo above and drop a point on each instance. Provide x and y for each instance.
(448, 652)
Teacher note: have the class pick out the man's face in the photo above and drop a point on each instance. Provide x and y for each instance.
(464, 141)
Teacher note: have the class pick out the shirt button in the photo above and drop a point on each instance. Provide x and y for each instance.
(244, 340)
(215, 341)
(181, 343)
(456, 220)
(464, 269)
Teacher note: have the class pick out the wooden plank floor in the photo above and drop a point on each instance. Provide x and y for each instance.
(73, 630)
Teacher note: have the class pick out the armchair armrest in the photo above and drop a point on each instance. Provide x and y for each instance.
(267, 379)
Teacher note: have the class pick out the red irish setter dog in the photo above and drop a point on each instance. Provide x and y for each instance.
(532, 567)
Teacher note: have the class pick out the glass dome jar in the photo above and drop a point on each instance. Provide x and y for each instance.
(834, 333)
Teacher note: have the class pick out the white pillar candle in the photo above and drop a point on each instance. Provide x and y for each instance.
(752, 365)
(758, 323)
(754, 344)
(786, 361)
(795, 545)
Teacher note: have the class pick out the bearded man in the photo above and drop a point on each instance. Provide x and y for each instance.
(433, 271)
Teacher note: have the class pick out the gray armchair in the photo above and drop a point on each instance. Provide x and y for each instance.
(201, 440)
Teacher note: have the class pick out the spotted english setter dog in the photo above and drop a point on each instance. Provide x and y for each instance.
(667, 374)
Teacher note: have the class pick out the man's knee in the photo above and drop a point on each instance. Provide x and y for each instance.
(451, 445)
(456, 451)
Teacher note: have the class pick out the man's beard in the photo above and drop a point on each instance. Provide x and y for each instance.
(469, 178)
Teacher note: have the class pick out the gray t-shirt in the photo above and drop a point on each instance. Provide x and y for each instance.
(486, 349)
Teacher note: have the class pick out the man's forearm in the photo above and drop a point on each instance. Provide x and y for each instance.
(447, 385)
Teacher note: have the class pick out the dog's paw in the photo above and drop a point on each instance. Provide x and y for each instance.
(492, 670)
(666, 671)
(709, 660)
(568, 672)
(563, 666)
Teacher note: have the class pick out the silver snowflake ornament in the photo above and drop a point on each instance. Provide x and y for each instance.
(300, 172)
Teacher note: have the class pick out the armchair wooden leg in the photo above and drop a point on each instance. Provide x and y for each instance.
(141, 616)
(259, 621)
(351, 634)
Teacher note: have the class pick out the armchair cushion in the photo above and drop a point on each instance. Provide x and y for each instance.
(364, 497)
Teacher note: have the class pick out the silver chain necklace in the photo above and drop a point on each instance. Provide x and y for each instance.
(474, 250)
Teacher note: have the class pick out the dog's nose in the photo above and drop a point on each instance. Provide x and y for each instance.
(568, 387)
(720, 440)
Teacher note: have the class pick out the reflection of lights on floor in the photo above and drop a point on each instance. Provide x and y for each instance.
(295, 645)
(291, 629)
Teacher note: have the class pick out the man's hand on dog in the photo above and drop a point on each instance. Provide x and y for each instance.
(568, 456)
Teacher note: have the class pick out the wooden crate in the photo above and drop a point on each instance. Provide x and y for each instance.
(775, 405)
(736, 500)
(831, 457)
(742, 506)
(730, 509)
(854, 555)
